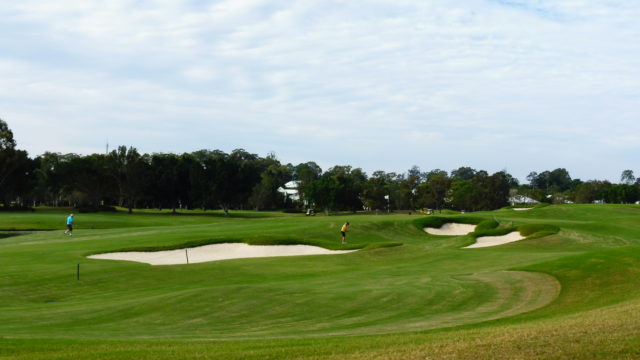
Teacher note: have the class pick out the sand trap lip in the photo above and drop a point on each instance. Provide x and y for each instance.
(451, 229)
(485, 241)
(215, 252)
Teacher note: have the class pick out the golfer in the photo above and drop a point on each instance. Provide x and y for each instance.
(69, 230)
(344, 230)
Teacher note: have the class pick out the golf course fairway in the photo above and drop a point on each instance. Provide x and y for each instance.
(569, 290)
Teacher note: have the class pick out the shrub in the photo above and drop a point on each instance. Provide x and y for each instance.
(438, 221)
(494, 232)
(487, 225)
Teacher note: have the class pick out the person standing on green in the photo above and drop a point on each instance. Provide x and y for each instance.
(343, 230)
(69, 230)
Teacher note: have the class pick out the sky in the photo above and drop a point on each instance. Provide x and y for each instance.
(515, 85)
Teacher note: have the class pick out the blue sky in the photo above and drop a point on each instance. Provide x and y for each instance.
(521, 85)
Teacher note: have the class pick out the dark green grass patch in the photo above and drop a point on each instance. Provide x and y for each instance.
(7, 234)
(487, 225)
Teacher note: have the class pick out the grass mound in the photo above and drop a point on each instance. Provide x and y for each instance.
(438, 221)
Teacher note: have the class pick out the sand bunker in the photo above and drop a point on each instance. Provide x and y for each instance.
(451, 229)
(216, 252)
(485, 241)
(521, 209)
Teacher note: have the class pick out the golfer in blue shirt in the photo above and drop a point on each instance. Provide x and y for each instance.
(69, 225)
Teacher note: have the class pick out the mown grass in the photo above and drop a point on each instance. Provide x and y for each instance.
(55, 218)
(569, 291)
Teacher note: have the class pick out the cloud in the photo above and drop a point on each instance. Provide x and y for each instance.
(354, 79)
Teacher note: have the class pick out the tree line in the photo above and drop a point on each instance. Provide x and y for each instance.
(213, 179)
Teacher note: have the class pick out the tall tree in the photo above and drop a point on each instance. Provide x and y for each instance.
(532, 177)
(463, 173)
(435, 172)
(410, 185)
(399, 196)
(322, 193)
(19, 182)
(235, 176)
(554, 181)
(482, 192)
(627, 177)
(462, 195)
(375, 190)
(305, 174)
(50, 177)
(203, 176)
(131, 173)
(6, 136)
(87, 177)
(498, 186)
(265, 193)
(338, 189)
(559, 180)
(15, 167)
(167, 174)
(349, 182)
(7, 159)
(620, 194)
(591, 191)
(435, 191)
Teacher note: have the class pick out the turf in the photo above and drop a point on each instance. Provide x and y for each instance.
(570, 290)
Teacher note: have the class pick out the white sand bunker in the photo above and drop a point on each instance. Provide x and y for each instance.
(451, 229)
(216, 252)
(521, 209)
(485, 241)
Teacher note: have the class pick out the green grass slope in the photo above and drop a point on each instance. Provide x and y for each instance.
(570, 290)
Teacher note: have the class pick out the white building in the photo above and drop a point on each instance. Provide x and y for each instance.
(522, 200)
(290, 190)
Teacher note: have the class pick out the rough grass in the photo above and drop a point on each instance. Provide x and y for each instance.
(604, 333)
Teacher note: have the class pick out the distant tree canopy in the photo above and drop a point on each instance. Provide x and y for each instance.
(213, 179)
(557, 180)
(16, 169)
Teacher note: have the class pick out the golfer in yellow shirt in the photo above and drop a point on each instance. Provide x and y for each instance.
(344, 230)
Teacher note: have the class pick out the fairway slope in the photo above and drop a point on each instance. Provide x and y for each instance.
(570, 291)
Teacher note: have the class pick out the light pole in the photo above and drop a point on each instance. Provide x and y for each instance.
(388, 208)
